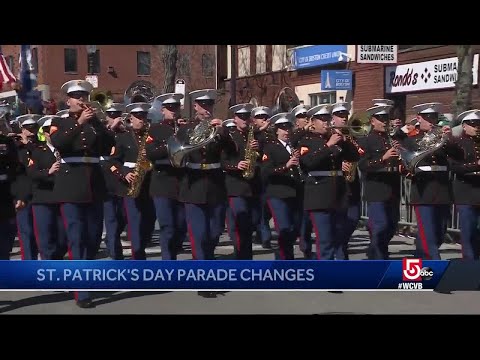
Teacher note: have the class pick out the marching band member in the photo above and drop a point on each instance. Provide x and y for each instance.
(302, 121)
(380, 169)
(243, 194)
(139, 210)
(9, 163)
(466, 186)
(431, 191)
(284, 187)
(349, 216)
(79, 183)
(63, 113)
(166, 179)
(229, 124)
(203, 189)
(323, 152)
(113, 209)
(43, 164)
(260, 116)
(23, 184)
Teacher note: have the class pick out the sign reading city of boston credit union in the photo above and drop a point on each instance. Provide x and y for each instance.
(318, 55)
(428, 75)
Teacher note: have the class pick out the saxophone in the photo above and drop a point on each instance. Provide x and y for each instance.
(352, 173)
(142, 166)
(251, 155)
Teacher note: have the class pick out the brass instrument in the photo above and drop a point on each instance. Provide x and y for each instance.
(251, 155)
(431, 141)
(201, 135)
(142, 167)
(140, 91)
(357, 126)
(105, 99)
(285, 101)
(97, 108)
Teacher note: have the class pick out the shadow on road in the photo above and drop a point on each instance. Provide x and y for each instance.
(36, 300)
(127, 295)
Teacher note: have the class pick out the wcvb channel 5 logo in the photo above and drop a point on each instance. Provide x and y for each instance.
(414, 271)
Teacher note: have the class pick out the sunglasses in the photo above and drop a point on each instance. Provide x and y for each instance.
(382, 118)
(114, 114)
(301, 115)
(172, 107)
(244, 116)
(46, 129)
(78, 95)
(322, 117)
(261, 117)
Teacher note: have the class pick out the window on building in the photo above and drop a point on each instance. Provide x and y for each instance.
(143, 63)
(261, 59)
(11, 63)
(208, 63)
(323, 98)
(243, 61)
(94, 65)
(35, 60)
(70, 58)
(183, 67)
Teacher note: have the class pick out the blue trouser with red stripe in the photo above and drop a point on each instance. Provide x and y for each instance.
(115, 222)
(469, 217)
(49, 231)
(171, 221)
(81, 224)
(306, 229)
(431, 223)
(383, 218)
(205, 223)
(140, 212)
(287, 218)
(326, 241)
(243, 215)
(8, 228)
(26, 233)
(346, 222)
(263, 231)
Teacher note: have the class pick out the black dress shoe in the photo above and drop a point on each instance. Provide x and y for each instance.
(267, 245)
(207, 294)
(85, 304)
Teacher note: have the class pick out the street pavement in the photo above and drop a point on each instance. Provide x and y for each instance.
(236, 302)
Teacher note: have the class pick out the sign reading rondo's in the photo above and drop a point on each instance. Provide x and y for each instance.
(427, 75)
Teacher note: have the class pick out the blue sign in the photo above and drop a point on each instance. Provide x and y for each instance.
(219, 275)
(336, 79)
(318, 55)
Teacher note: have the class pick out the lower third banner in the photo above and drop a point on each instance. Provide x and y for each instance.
(409, 274)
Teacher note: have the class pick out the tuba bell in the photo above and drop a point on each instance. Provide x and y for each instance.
(285, 101)
(140, 91)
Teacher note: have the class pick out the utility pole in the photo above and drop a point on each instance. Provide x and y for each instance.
(233, 78)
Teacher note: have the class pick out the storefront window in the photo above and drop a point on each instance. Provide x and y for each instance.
(323, 98)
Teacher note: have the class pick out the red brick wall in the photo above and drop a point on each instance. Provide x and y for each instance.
(124, 60)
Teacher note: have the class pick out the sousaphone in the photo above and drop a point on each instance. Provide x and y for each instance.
(285, 101)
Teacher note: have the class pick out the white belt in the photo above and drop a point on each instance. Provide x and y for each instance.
(130, 165)
(103, 158)
(475, 173)
(81, 159)
(3, 177)
(432, 168)
(326, 173)
(386, 169)
(203, 166)
(163, 162)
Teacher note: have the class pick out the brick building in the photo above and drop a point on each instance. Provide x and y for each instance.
(117, 66)
(423, 73)
(263, 70)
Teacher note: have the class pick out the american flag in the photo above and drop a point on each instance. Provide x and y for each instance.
(31, 97)
(6, 75)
